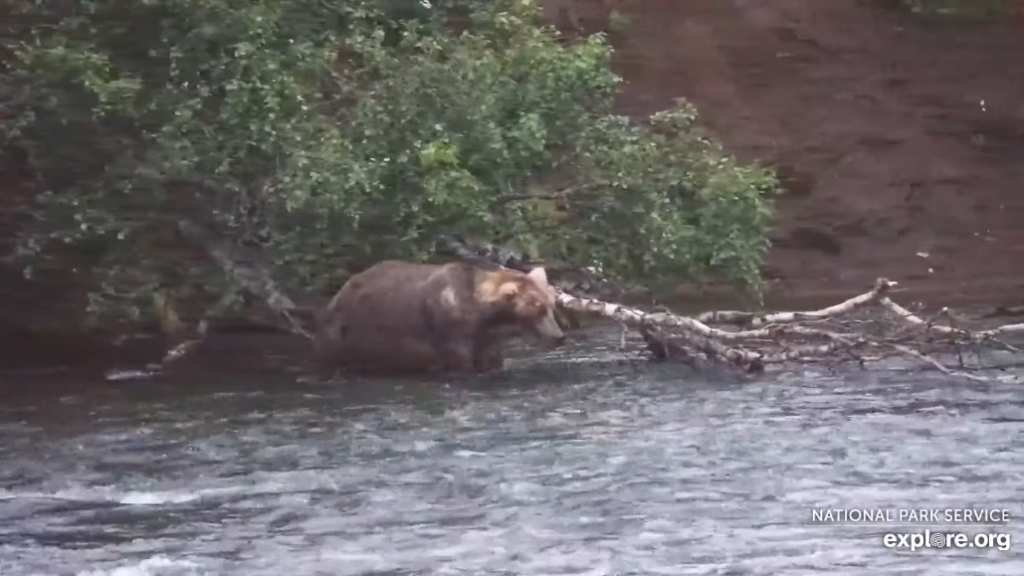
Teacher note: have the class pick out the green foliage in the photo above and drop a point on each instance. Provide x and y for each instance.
(675, 204)
(333, 132)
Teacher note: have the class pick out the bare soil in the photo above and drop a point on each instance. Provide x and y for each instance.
(900, 139)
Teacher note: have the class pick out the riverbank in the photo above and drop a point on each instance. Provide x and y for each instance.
(239, 348)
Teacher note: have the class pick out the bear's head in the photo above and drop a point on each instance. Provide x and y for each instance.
(528, 300)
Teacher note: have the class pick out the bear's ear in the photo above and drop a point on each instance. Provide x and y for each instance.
(539, 275)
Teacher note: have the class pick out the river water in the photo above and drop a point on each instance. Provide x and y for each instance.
(576, 464)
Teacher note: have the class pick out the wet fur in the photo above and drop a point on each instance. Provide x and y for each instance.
(401, 317)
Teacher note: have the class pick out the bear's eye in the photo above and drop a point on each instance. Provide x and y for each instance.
(536, 307)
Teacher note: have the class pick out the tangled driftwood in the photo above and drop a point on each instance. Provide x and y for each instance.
(780, 337)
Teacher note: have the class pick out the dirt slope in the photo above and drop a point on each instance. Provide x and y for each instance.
(896, 136)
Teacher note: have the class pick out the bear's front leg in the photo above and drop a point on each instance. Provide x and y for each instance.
(456, 354)
(489, 357)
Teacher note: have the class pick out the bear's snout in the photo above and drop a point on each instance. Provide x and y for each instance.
(548, 330)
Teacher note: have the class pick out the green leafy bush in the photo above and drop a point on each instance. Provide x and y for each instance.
(331, 134)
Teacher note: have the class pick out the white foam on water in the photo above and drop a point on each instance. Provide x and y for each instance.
(110, 494)
(159, 565)
(355, 563)
(280, 483)
(117, 375)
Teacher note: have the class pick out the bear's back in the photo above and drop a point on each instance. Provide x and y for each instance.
(395, 284)
(393, 314)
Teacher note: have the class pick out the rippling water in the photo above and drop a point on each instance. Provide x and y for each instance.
(589, 467)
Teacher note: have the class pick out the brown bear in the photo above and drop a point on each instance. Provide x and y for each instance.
(401, 317)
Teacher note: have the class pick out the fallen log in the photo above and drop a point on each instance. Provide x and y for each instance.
(244, 267)
(249, 275)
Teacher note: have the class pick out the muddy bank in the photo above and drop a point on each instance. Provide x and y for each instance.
(899, 139)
